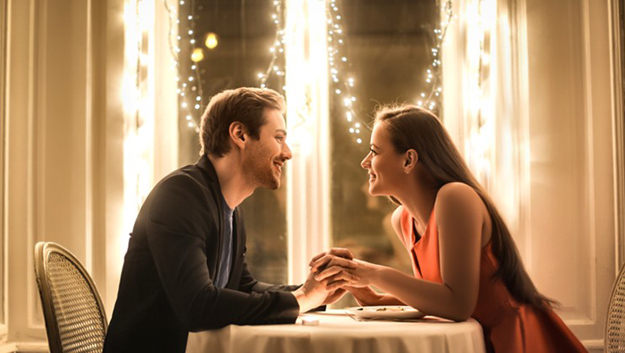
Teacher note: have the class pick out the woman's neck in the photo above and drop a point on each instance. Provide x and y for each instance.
(418, 197)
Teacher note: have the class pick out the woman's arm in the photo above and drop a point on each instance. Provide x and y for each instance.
(460, 218)
(366, 296)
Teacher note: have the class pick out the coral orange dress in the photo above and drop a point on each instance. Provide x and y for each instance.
(508, 326)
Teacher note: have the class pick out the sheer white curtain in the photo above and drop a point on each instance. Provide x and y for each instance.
(527, 97)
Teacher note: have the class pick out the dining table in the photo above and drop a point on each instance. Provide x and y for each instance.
(340, 331)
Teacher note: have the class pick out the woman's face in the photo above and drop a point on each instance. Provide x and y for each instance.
(384, 164)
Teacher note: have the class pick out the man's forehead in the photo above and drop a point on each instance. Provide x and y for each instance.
(274, 120)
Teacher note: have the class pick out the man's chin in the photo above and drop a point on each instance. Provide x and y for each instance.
(272, 185)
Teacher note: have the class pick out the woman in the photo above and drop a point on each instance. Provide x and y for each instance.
(464, 259)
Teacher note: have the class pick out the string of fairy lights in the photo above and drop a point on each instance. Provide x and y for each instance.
(337, 61)
(433, 73)
(190, 88)
(277, 47)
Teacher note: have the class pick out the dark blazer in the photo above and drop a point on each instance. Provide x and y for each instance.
(166, 287)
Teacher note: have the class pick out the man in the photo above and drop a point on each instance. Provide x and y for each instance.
(185, 267)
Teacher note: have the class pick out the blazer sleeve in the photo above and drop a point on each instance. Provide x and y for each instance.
(181, 220)
(249, 284)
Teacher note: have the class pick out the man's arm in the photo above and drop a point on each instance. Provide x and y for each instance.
(182, 219)
(249, 284)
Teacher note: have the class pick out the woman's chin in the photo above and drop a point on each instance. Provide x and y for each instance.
(373, 191)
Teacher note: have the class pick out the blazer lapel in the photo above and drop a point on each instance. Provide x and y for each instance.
(212, 181)
(238, 245)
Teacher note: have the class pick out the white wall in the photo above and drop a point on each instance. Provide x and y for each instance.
(571, 234)
(63, 142)
(65, 131)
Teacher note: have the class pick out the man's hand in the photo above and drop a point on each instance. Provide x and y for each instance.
(311, 294)
(316, 293)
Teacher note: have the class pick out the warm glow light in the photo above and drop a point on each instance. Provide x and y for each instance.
(277, 47)
(432, 77)
(138, 105)
(335, 55)
(310, 321)
(479, 80)
(211, 41)
(197, 55)
(189, 87)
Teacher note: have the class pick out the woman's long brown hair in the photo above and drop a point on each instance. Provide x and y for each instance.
(411, 127)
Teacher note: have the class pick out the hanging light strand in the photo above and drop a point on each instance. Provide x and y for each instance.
(433, 72)
(171, 40)
(276, 49)
(190, 88)
(188, 76)
(342, 84)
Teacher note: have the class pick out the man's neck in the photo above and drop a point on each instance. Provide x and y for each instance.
(231, 179)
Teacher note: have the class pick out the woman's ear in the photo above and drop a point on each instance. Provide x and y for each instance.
(238, 134)
(410, 161)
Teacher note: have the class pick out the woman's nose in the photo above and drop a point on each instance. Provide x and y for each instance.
(365, 162)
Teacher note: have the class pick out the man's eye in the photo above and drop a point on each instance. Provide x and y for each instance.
(373, 152)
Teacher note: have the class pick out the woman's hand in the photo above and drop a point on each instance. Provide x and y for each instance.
(334, 296)
(365, 296)
(337, 272)
(340, 252)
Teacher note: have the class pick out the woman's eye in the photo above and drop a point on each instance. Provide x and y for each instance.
(373, 152)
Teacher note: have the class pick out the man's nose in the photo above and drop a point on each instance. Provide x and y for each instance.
(287, 151)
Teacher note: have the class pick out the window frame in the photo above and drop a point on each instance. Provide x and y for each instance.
(3, 68)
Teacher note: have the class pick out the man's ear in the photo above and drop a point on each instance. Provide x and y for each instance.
(238, 134)
(410, 160)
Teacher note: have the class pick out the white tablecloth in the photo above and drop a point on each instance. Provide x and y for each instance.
(339, 333)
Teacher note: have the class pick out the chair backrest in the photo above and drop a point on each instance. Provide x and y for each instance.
(615, 322)
(73, 312)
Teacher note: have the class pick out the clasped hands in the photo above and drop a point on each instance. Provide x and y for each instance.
(337, 268)
(331, 274)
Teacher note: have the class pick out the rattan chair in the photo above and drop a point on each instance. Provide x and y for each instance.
(615, 323)
(74, 314)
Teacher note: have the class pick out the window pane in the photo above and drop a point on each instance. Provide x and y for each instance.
(244, 32)
(387, 46)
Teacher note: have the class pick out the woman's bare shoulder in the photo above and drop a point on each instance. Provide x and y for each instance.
(396, 218)
(457, 190)
(458, 197)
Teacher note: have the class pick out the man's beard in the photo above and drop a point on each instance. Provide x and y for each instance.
(263, 175)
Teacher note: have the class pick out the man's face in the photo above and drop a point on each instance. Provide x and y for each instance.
(266, 156)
